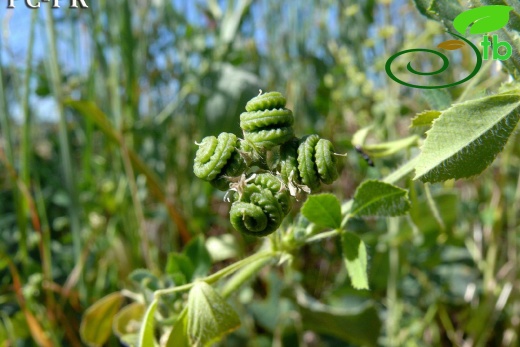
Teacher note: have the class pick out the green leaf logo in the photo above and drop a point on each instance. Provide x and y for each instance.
(482, 19)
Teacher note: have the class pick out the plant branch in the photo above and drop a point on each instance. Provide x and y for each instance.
(219, 274)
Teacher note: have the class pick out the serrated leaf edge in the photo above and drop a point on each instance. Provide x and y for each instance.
(509, 93)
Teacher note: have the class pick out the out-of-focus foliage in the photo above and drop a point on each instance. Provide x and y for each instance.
(100, 109)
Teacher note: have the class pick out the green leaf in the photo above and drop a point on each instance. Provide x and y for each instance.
(482, 19)
(269, 311)
(355, 256)
(425, 118)
(196, 251)
(179, 334)
(467, 137)
(376, 198)
(360, 327)
(323, 210)
(389, 148)
(146, 333)
(96, 325)
(210, 317)
(179, 264)
(127, 322)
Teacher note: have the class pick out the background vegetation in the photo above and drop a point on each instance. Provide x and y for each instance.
(100, 109)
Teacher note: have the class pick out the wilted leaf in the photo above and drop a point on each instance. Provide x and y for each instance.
(451, 45)
(323, 210)
(484, 19)
(467, 137)
(425, 118)
(96, 325)
(210, 317)
(376, 198)
(355, 257)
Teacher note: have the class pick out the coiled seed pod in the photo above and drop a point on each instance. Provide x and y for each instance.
(235, 166)
(269, 181)
(252, 167)
(288, 162)
(258, 213)
(267, 123)
(316, 161)
(326, 161)
(266, 101)
(217, 158)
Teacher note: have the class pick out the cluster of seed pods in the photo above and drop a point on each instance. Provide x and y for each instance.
(268, 167)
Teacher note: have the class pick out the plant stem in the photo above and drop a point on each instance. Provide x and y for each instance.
(243, 275)
(65, 155)
(323, 235)
(5, 124)
(433, 207)
(138, 207)
(26, 133)
(393, 315)
(219, 274)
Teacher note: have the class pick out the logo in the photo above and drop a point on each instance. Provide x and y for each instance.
(55, 3)
(481, 20)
